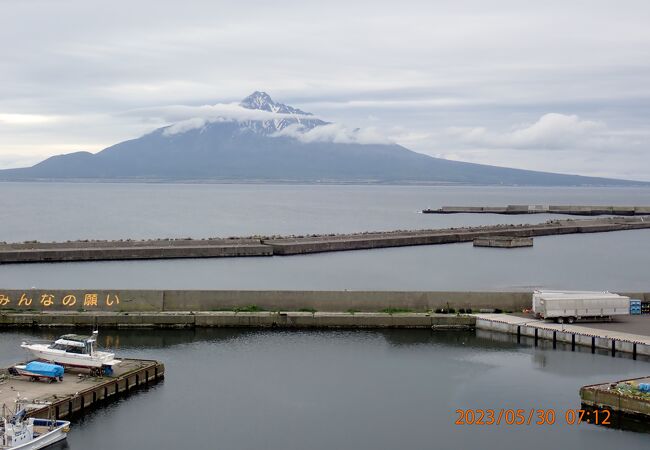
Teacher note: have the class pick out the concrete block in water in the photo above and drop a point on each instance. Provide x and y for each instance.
(517, 209)
(623, 210)
(503, 241)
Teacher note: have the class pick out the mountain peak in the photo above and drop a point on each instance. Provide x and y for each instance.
(258, 100)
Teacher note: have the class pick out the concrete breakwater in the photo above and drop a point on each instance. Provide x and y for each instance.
(575, 210)
(292, 245)
(123, 250)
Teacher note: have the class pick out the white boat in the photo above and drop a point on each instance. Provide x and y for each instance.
(20, 433)
(72, 350)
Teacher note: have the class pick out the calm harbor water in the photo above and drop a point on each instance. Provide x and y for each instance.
(236, 389)
(61, 211)
(246, 389)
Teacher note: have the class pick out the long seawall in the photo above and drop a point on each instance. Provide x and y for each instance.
(36, 252)
(171, 308)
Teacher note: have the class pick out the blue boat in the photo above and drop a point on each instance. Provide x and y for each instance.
(37, 370)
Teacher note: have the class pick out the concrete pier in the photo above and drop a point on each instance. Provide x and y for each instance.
(75, 394)
(595, 338)
(574, 210)
(612, 397)
(35, 252)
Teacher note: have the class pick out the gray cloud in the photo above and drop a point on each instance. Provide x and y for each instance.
(552, 131)
(335, 132)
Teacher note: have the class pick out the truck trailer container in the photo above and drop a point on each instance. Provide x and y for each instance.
(569, 306)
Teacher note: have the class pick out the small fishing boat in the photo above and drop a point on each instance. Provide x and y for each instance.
(17, 432)
(37, 370)
(72, 350)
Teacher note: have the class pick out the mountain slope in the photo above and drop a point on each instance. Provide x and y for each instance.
(257, 150)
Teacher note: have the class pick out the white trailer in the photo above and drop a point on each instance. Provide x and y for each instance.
(569, 306)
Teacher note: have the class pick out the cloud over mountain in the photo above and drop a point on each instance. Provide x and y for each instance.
(263, 140)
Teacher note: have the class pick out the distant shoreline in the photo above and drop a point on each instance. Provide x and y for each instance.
(626, 184)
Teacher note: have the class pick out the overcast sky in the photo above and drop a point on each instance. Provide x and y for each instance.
(556, 85)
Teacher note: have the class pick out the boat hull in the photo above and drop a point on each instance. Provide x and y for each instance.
(22, 371)
(42, 353)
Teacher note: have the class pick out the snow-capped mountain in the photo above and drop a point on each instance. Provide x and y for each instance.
(254, 148)
(263, 102)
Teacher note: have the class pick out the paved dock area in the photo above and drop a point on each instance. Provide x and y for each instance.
(77, 386)
(630, 328)
(596, 337)
(639, 325)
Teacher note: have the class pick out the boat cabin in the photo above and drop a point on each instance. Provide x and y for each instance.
(74, 343)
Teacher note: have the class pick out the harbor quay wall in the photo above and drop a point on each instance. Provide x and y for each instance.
(171, 305)
(76, 300)
(232, 319)
(333, 301)
(34, 252)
